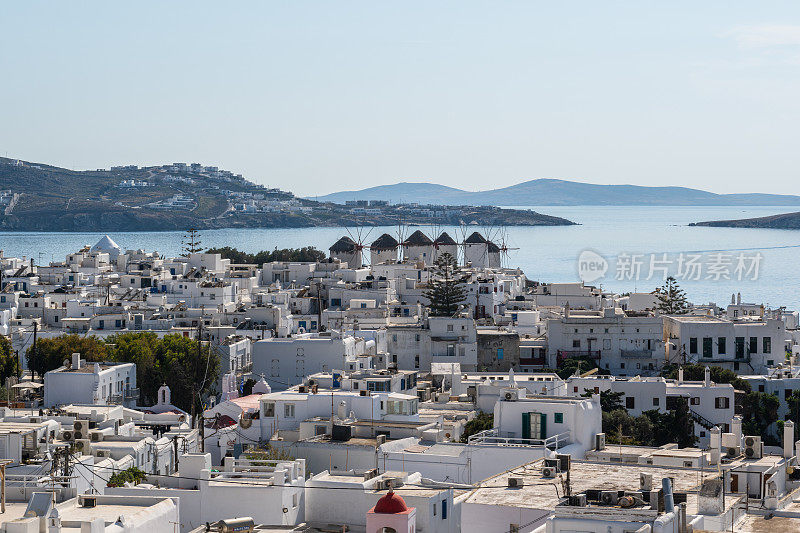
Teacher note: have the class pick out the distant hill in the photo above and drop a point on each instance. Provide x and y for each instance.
(547, 191)
(784, 221)
(40, 197)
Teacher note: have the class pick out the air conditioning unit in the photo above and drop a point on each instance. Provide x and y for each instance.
(36, 420)
(363, 393)
(81, 425)
(103, 453)
(645, 481)
(515, 482)
(577, 500)
(511, 396)
(733, 451)
(549, 471)
(609, 497)
(600, 441)
(78, 435)
(380, 439)
(83, 446)
(311, 382)
(301, 389)
(67, 435)
(753, 447)
(96, 436)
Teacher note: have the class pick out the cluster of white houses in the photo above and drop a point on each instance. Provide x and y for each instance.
(359, 416)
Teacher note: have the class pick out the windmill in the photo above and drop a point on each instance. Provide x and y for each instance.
(506, 248)
(350, 247)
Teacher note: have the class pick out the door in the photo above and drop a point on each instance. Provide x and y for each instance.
(534, 426)
(734, 483)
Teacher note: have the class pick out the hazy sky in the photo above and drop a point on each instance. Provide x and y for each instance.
(322, 96)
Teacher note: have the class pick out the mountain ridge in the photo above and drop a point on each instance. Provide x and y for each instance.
(555, 191)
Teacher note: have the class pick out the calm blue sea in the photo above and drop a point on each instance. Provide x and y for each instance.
(623, 235)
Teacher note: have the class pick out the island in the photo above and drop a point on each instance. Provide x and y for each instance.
(177, 196)
(782, 221)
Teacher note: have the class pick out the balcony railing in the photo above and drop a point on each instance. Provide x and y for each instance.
(491, 437)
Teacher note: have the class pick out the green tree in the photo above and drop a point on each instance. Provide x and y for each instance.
(696, 372)
(671, 298)
(171, 360)
(131, 475)
(481, 422)
(570, 365)
(9, 362)
(759, 412)
(51, 353)
(445, 287)
(306, 254)
(609, 400)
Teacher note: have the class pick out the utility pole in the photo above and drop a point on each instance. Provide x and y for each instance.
(33, 352)
(195, 392)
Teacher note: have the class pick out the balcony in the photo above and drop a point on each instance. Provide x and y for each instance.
(491, 437)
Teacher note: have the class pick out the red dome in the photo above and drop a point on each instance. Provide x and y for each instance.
(391, 503)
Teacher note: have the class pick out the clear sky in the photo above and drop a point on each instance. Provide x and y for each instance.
(316, 97)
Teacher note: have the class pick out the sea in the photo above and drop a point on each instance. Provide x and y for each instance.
(618, 248)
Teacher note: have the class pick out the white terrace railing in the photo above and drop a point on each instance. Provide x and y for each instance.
(491, 436)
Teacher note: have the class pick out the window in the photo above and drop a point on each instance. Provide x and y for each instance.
(694, 400)
(753, 344)
(416, 337)
(499, 354)
(693, 345)
(449, 327)
(288, 410)
(739, 347)
(606, 344)
(721, 347)
(770, 362)
(722, 402)
(558, 418)
(606, 330)
(655, 402)
(707, 347)
(444, 509)
(576, 343)
(630, 402)
(622, 365)
(451, 350)
(416, 361)
(394, 338)
(766, 344)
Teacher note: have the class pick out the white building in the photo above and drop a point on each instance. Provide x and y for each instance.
(92, 383)
(744, 346)
(621, 344)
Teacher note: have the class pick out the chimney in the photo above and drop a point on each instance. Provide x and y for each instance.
(707, 377)
(788, 439)
(680, 375)
(566, 310)
(715, 445)
(736, 428)
(669, 502)
(76, 361)
(738, 298)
